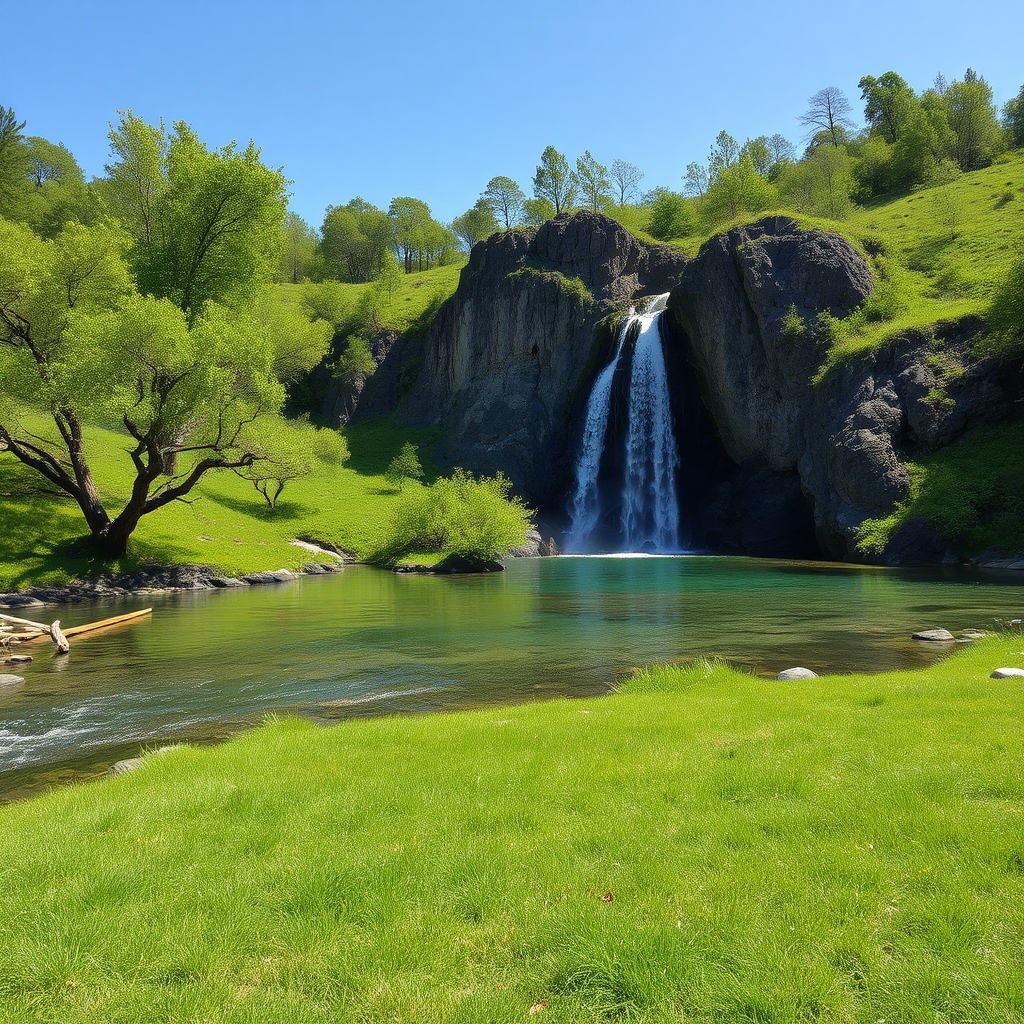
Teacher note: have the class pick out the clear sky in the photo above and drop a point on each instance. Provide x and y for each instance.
(433, 98)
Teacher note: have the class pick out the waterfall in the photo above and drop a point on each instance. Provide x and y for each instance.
(646, 502)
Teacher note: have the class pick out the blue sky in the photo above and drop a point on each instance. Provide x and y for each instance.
(432, 99)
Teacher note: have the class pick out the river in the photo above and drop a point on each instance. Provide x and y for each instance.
(367, 642)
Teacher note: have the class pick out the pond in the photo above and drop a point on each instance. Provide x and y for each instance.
(368, 642)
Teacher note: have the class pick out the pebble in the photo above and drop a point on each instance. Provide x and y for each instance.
(797, 673)
(1006, 673)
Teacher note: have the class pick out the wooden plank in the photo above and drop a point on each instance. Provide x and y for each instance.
(90, 626)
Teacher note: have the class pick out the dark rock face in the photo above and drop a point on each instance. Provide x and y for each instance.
(840, 440)
(508, 361)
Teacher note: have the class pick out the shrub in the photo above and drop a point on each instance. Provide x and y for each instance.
(459, 515)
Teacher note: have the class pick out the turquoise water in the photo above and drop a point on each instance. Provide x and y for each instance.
(368, 642)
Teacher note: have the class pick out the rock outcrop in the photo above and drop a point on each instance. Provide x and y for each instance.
(509, 359)
(746, 313)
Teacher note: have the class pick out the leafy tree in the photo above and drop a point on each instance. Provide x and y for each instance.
(697, 180)
(738, 189)
(760, 154)
(58, 192)
(724, 154)
(419, 238)
(461, 515)
(192, 383)
(475, 224)
(972, 118)
(821, 184)
(888, 103)
(536, 211)
(505, 199)
(298, 252)
(390, 275)
(354, 239)
(947, 198)
(554, 181)
(1013, 119)
(287, 451)
(205, 224)
(671, 215)
(356, 364)
(14, 162)
(593, 182)
(781, 149)
(828, 113)
(404, 466)
(626, 177)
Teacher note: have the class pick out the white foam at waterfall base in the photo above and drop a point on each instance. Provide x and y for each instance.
(650, 506)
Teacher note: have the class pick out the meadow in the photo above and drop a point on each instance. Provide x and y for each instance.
(703, 846)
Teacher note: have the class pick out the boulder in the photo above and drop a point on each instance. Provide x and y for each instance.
(16, 659)
(797, 673)
(935, 636)
(269, 576)
(1006, 673)
(7, 680)
(19, 601)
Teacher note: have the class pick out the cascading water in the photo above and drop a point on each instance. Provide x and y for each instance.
(646, 504)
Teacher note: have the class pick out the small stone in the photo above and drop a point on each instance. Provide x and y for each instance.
(797, 673)
(129, 764)
(9, 680)
(17, 659)
(972, 634)
(1006, 673)
(935, 635)
(271, 576)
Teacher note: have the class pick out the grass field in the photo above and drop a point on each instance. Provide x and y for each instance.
(228, 525)
(703, 847)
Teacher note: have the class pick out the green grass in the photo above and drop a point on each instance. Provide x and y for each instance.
(228, 525)
(974, 493)
(412, 299)
(704, 847)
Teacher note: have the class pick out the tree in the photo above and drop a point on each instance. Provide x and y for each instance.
(626, 178)
(822, 183)
(298, 250)
(1013, 120)
(205, 224)
(536, 211)
(475, 224)
(781, 149)
(972, 118)
(738, 189)
(760, 154)
(593, 182)
(828, 112)
(696, 179)
(724, 153)
(192, 383)
(554, 181)
(58, 192)
(13, 162)
(505, 199)
(404, 466)
(888, 103)
(390, 275)
(671, 214)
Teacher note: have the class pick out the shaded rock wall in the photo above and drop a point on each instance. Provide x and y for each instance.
(511, 356)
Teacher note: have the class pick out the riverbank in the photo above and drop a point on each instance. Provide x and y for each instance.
(704, 846)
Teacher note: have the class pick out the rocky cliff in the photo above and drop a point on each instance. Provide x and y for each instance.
(745, 314)
(510, 357)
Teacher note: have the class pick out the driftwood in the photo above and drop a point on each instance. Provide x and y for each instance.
(15, 630)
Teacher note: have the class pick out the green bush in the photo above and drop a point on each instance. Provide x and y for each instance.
(459, 515)
(1006, 314)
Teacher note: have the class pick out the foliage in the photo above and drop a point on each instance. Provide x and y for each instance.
(704, 846)
(420, 239)
(1013, 119)
(298, 250)
(593, 182)
(672, 215)
(737, 188)
(555, 182)
(505, 199)
(356, 364)
(475, 224)
(461, 515)
(205, 224)
(973, 492)
(355, 239)
(537, 210)
(972, 119)
(404, 466)
(626, 178)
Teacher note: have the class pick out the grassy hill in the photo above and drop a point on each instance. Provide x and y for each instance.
(703, 847)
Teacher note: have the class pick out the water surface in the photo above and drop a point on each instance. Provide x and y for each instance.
(368, 642)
